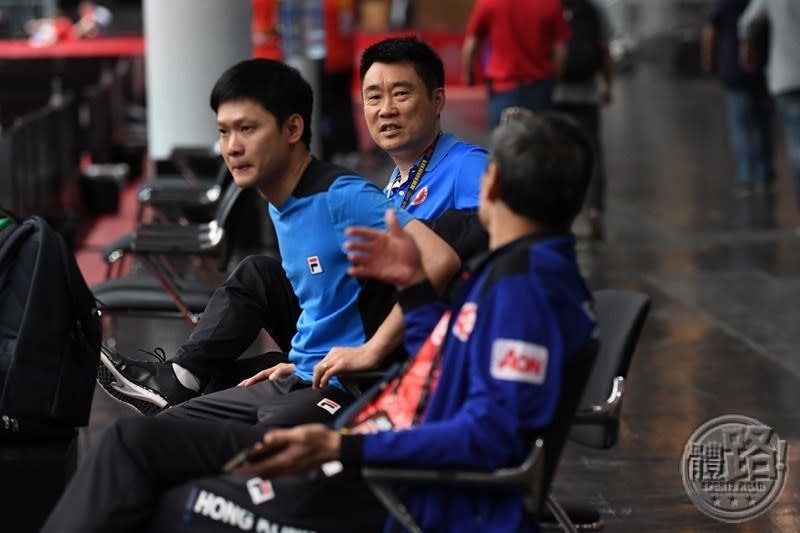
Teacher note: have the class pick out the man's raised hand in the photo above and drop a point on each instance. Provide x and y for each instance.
(391, 256)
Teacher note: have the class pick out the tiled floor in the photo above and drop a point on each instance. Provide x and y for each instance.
(724, 274)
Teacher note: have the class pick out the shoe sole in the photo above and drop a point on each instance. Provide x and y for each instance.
(124, 391)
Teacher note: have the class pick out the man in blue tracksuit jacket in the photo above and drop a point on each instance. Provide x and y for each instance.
(508, 368)
(486, 378)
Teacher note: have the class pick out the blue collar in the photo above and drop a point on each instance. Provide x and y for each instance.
(443, 146)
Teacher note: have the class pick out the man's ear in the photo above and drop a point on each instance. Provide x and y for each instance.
(492, 182)
(294, 126)
(438, 99)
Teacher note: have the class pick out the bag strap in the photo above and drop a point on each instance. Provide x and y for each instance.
(12, 237)
(71, 270)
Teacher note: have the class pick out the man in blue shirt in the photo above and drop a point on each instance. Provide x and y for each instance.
(402, 87)
(403, 90)
(485, 381)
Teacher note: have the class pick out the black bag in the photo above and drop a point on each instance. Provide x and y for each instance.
(584, 54)
(49, 333)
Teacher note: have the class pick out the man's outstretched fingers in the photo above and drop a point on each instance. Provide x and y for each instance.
(390, 219)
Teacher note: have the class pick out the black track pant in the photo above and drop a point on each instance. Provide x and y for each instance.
(285, 402)
(121, 486)
(256, 295)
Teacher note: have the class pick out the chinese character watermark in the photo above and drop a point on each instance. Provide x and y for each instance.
(734, 467)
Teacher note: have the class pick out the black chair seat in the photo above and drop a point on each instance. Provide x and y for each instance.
(143, 293)
(199, 239)
(116, 249)
(177, 192)
(158, 244)
(194, 239)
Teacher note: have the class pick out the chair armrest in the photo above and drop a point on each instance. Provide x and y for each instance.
(177, 239)
(167, 239)
(519, 475)
(527, 476)
(362, 375)
(607, 412)
(177, 192)
(114, 251)
(358, 382)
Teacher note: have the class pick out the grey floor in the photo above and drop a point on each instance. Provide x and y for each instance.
(724, 275)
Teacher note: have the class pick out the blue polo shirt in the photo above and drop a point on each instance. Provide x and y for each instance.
(451, 180)
(337, 310)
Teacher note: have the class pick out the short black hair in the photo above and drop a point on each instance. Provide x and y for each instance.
(426, 61)
(544, 165)
(277, 87)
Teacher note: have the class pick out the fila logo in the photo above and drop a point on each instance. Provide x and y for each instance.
(260, 490)
(314, 265)
(421, 196)
(516, 360)
(329, 405)
(465, 322)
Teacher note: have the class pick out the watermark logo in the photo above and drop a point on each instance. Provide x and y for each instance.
(734, 467)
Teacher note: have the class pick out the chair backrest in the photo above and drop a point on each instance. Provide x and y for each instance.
(621, 315)
(223, 176)
(196, 163)
(575, 374)
(225, 219)
(226, 205)
(222, 179)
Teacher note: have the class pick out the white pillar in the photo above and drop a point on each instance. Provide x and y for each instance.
(189, 43)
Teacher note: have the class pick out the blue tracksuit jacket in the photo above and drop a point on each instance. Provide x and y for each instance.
(522, 312)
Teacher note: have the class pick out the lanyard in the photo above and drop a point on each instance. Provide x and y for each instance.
(430, 382)
(415, 173)
(401, 402)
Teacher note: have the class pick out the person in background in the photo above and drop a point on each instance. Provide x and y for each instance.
(264, 27)
(585, 86)
(783, 67)
(54, 28)
(747, 99)
(94, 20)
(339, 142)
(526, 52)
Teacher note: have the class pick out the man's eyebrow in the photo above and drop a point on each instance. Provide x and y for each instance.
(402, 83)
(233, 122)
